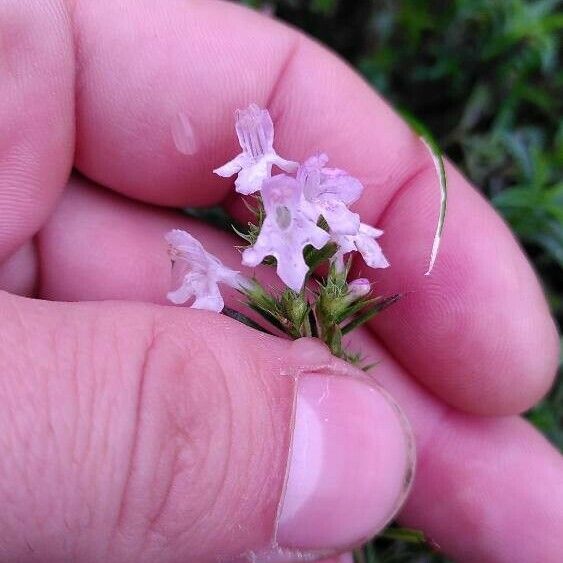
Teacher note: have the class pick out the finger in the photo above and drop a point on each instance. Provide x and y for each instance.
(474, 499)
(134, 433)
(477, 331)
(18, 273)
(36, 115)
(166, 87)
(128, 260)
(463, 316)
(472, 493)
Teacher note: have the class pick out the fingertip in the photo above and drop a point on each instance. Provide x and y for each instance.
(351, 464)
(36, 118)
(477, 332)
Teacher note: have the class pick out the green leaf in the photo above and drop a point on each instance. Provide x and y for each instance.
(314, 258)
(367, 315)
(404, 534)
(355, 308)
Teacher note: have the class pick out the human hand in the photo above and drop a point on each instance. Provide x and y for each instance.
(135, 432)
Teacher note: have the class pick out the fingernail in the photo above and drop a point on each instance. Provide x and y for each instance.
(350, 464)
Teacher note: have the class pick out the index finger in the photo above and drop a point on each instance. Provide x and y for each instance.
(477, 332)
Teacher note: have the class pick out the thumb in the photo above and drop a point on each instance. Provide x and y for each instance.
(140, 433)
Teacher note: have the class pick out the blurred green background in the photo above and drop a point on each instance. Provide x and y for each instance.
(485, 77)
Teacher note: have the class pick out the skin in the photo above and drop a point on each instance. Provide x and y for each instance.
(94, 432)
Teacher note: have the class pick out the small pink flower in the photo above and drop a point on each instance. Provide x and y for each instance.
(286, 231)
(196, 273)
(359, 288)
(364, 242)
(255, 132)
(329, 192)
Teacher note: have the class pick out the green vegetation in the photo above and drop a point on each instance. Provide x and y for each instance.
(485, 78)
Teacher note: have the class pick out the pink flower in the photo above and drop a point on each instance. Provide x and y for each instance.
(286, 231)
(196, 273)
(255, 132)
(359, 288)
(329, 192)
(364, 242)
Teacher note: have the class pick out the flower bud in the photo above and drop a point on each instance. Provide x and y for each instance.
(358, 288)
(295, 307)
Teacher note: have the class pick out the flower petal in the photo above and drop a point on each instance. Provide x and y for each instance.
(292, 270)
(371, 252)
(285, 165)
(255, 130)
(340, 185)
(251, 178)
(281, 190)
(210, 300)
(232, 167)
(286, 246)
(370, 231)
(233, 279)
(182, 246)
(180, 295)
(322, 183)
(364, 242)
(369, 249)
(339, 218)
(253, 256)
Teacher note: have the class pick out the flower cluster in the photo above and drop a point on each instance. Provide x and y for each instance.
(302, 221)
(309, 208)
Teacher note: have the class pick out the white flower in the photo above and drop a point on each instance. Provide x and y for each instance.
(286, 231)
(329, 192)
(196, 273)
(364, 242)
(255, 132)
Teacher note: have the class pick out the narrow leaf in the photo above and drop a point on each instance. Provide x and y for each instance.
(242, 235)
(237, 316)
(370, 313)
(441, 172)
(313, 324)
(436, 154)
(356, 307)
(268, 317)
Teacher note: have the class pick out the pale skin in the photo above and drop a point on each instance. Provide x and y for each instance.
(135, 431)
